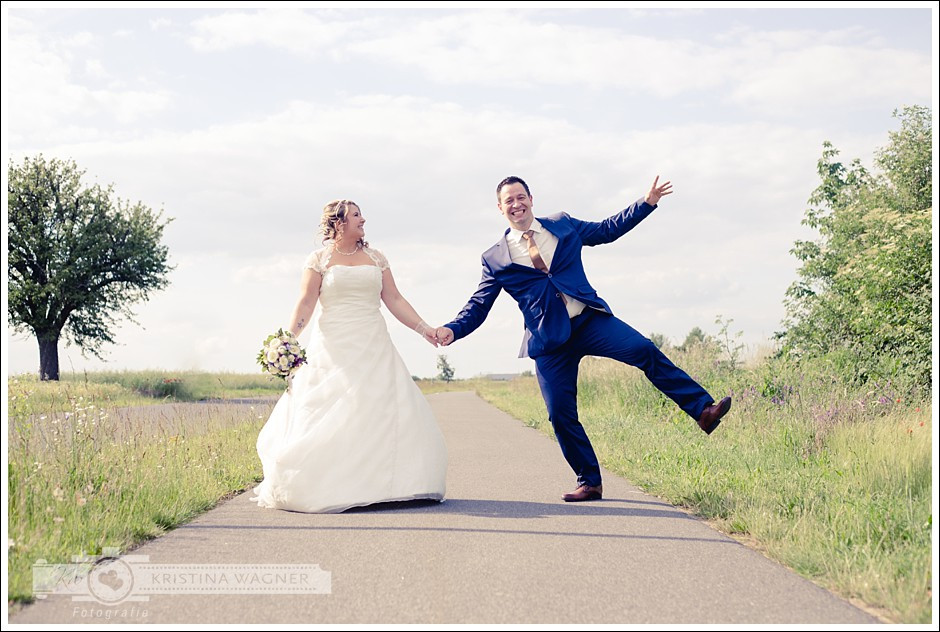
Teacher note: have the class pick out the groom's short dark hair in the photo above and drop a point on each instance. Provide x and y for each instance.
(512, 180)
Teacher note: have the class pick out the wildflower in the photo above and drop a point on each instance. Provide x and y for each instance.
(58, 494)
(922, 424)
(81, 501)
(58, 519)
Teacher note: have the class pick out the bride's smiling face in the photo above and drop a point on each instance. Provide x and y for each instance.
(354, 226)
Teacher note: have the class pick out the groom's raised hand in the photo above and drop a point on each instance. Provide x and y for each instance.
(657, 191)
(444, 336)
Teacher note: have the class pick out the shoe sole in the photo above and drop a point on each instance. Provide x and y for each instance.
(581, 500)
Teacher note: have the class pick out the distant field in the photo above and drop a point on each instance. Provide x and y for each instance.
(142, 388)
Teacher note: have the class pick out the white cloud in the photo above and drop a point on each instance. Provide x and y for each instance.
(491, 49)
(79, 40)
(774, 71)
(292, 29)
(127, 106)
(49, 102)
(160, 23)
(841, 76)
(267, 270)
(94, 68)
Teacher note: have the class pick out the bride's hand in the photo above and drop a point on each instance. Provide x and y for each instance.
(426, 332)
(430, 337)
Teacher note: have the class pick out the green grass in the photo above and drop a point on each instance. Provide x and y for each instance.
(832, 481)
(83, 477)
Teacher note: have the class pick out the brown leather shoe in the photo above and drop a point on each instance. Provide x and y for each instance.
(585, 492)
(712, 415)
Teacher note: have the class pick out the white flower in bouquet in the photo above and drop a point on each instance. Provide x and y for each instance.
(281, 354)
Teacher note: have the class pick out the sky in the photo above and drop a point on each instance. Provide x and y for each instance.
(240, 123)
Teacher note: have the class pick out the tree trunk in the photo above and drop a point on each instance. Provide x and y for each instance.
(49, 359)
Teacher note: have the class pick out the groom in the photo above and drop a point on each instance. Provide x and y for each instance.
(538, 262)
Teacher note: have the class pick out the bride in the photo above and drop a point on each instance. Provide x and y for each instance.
(352, 429)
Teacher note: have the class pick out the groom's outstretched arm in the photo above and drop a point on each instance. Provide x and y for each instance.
(612, 228)
(474, 312)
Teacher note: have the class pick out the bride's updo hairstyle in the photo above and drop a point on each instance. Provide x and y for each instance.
(333, 219)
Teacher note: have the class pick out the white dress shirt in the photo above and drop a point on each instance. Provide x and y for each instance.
(546, 242)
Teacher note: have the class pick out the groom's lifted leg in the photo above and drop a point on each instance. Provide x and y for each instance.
(612, 338)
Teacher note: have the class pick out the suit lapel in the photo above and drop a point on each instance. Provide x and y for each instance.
(501, 257)
(551, 226)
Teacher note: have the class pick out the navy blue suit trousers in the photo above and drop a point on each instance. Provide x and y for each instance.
(596, 333)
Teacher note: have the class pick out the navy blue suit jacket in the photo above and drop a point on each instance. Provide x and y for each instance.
(547, 325)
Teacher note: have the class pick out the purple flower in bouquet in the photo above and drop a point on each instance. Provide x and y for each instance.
(281, 354)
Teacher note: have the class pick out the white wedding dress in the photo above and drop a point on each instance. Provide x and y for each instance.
(354, 429)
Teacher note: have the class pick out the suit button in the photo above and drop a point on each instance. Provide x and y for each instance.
(549, 275)
(558, 294)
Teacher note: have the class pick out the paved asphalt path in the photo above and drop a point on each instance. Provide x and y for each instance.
(502, 549)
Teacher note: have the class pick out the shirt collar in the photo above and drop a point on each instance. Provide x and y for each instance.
(516, 234)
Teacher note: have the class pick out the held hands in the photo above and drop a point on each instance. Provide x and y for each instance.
(441, 336)
(444, 336)
(427, 333)
(657, 191)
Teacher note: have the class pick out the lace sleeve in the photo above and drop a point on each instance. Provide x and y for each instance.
(378, 258)
(318, 260)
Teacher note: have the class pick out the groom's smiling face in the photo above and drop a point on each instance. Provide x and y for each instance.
(516, 205)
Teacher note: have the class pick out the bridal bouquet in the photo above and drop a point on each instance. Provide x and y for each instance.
(281, 354)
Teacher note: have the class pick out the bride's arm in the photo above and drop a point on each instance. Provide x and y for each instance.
(309, 294)
(402, 309)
